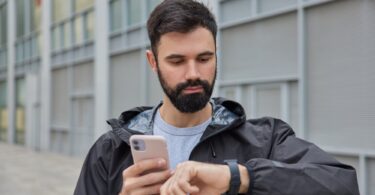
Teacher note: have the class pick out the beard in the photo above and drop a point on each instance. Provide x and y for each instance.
(188, 103)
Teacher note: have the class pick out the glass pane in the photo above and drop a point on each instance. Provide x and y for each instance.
(80, 5)
(60, 9)
(116, 18)
(89, 26)
(3, 112)
(67, 35)
(20, 111)
(78, 34)
(151, 4)
(36, 11)
(134, 12)
(20, 9)
(55, 38)
(35, 46)
(3, 25)
(20, 93)
(19, 54)
(40, 40)
(27, 49)
(3, 94)
(3, 124)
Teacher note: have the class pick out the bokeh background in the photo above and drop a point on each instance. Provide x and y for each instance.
(68, 65)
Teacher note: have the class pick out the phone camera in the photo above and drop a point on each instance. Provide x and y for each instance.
(135, 142)
(136, 147)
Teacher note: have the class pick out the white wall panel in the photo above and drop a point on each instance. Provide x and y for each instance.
(268, 101)
(265, 48)
(155, 92)
(83, 123)
(340, 57)
(83, 76)
(232, 10)
(371, 176)
(125, 82)
(294, 112)
(60, 142)
(271, 5)
(248, 100)
(60, 97)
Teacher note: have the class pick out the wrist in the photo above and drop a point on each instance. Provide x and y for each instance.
(245, 179)
(235, 177)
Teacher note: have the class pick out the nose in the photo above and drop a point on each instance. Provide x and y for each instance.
(192, 72)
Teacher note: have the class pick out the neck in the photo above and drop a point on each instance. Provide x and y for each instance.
(173, 116)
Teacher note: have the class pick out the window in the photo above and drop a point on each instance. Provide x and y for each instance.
(134, 12)
(36, 11)
(28, 20)
(78, 34)
(55, 39)
(20, 7)
(73, 23)
(151, 4)
(116, 17)
(3, 112)
(61, 10)
(80, 5)
(66, 35)
(3, 25)
(20, 111)
(89, 26)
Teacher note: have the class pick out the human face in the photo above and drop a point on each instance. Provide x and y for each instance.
(186, 68)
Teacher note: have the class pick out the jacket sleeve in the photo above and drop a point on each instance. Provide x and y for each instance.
(296, 167)
(93, 177)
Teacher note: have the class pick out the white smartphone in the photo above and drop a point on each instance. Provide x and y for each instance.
(148, 146)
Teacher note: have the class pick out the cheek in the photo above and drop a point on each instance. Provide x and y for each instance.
(208, 73)
(172, 77)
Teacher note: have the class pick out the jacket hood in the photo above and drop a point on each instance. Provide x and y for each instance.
(140, 120)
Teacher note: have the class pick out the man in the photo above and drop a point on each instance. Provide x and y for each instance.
(203, 133)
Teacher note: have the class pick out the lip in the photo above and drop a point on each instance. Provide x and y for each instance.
(194, 89)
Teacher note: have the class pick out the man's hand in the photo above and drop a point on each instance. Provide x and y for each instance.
(141, 179)
(201, 179)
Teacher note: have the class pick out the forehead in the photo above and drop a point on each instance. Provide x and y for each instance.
(190, 43)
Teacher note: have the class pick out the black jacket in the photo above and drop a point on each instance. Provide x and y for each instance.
(277, 161)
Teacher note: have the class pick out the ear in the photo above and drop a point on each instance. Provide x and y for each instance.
(151, 60)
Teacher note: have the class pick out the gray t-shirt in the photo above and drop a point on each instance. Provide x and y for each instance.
(180, 141)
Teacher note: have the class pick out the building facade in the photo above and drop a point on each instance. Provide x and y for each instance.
(68, 65)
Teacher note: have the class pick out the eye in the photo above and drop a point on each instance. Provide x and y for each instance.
(203, 59)
(176, 61)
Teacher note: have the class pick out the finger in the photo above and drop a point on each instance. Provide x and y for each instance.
(175, 189)
(187, 187)
(183, 179)
(153, 189)
(147, 180)
(144, 165)
(175, 185)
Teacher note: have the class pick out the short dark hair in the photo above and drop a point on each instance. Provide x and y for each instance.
(178, 16)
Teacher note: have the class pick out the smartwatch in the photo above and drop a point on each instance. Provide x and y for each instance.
(235, 177)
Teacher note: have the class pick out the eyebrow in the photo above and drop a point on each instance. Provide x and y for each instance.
(174, 56)
(206, 53)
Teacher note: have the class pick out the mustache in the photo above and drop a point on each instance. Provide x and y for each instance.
(192, 83)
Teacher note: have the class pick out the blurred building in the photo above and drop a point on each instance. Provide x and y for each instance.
(67, 65)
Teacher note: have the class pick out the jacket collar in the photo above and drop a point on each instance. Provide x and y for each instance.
(140, 120)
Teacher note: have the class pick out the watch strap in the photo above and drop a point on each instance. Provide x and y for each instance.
(235, 177)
